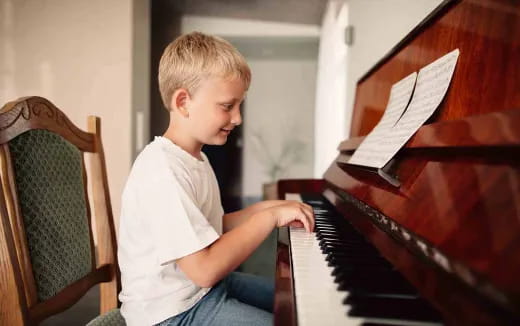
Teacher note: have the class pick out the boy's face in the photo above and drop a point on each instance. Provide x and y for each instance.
(214, 109)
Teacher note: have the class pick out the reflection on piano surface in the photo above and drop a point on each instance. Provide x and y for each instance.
(444, 246)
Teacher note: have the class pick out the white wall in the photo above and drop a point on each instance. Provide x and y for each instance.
(379, 25)
(232, 27)
(78, 54)
(280, 101)
(330, 122)
(140, 91)
(280, 107)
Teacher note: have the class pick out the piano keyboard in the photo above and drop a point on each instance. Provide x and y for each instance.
(340, 279)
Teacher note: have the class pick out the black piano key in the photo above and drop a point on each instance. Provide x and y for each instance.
(372, 280)
(334, 243)
(326, 241)
(395, 322)
(374, 275)
(321, 236)
(332, 231)
(368, 287)
(394, 309)
(329, 235)
(321, 225)
(342, 270)
(340, 259)
(376, 324)
(339, 256)
(352, 298)
(327, 219)
(326, 231)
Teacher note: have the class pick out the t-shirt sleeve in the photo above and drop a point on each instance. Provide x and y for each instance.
(177, 225)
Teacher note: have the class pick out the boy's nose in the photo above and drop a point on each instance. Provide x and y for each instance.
(236, 119)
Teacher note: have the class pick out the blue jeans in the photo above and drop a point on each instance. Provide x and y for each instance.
(239, 299)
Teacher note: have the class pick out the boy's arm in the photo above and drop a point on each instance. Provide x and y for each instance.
(232, 220)
(209, 265)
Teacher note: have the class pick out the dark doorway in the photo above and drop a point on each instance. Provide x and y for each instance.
(165, 27)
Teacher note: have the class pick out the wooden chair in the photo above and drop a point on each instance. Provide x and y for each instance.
(47, 253)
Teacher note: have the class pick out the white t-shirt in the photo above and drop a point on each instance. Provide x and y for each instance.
(170, 208)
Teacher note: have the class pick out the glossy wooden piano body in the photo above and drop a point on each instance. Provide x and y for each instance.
(453, 226)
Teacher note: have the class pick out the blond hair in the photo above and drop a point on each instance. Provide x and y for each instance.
(192, 57)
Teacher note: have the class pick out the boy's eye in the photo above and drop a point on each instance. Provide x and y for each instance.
(227, 106)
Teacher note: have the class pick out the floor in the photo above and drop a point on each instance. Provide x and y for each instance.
(261, 262)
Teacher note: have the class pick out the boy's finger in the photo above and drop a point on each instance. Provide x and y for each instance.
(303, 219)
(310, 210)
(310, 217)
(310, 223)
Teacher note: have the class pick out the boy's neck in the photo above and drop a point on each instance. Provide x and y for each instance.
(192, 147)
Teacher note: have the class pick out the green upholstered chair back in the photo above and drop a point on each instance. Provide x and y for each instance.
(51, 194)
(46, 234)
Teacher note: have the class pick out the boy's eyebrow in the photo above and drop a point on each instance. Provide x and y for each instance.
(234, 99)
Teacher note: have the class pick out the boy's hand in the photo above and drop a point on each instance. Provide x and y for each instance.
(293, 213)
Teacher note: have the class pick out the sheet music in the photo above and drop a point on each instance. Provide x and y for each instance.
(432, 84)
(400, 94)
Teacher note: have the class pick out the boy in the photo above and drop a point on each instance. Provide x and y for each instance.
(176, 262)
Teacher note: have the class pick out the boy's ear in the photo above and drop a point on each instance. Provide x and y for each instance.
(179, 100)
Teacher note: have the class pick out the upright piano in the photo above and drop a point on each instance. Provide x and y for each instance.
(444, 246)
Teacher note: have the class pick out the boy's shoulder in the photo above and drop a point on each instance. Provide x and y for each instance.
(158, 158)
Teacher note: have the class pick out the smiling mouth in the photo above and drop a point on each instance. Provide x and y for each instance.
(226, 130)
